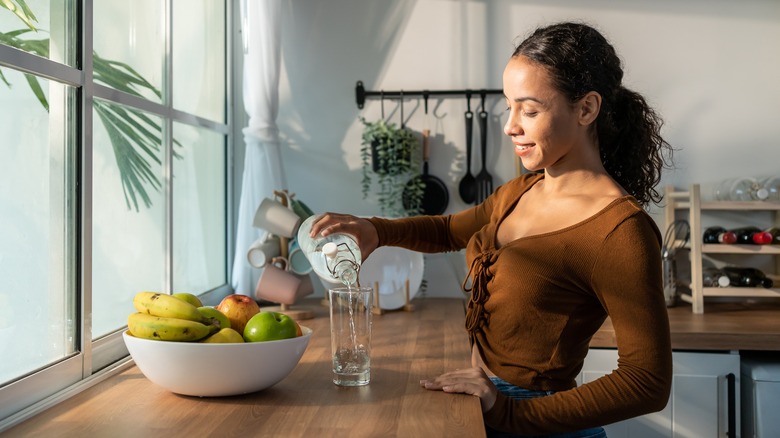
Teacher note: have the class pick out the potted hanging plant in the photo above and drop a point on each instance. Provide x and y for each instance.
(390, 157)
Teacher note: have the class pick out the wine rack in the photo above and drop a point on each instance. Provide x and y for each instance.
(690, 201)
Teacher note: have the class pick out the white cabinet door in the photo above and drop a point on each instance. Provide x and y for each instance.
(698, 405)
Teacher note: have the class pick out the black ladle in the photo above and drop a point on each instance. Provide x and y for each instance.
(468, 185)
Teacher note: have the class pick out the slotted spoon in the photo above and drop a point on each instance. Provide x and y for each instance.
(468, 185)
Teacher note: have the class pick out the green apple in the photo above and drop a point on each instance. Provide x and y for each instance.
(224, 336)
(270, 326)
(188, 297)
(214, 317)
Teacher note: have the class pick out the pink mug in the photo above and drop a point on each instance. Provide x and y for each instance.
(278, 285)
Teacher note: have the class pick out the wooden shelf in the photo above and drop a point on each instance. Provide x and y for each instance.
(729, 205)
(690, 202)
(714, 248)
(743, 206)
(745, 292)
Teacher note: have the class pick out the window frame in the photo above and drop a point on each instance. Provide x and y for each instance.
(96, 360)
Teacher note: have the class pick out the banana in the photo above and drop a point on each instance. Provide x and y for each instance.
(147, 326)
(166, 306)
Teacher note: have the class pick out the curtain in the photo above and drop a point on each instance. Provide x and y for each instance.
(263, 173)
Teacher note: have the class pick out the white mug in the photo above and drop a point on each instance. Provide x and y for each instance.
(263, 250)
(273, 216)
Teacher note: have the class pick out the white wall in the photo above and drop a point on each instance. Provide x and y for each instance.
(710, 67)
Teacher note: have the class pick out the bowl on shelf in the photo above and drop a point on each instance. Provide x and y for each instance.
(212, 370)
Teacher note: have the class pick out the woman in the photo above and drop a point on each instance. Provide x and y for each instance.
(553, 254)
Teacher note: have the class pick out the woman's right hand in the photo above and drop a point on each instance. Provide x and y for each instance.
(361, 229)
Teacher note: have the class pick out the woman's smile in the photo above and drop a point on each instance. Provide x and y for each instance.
(522, 148)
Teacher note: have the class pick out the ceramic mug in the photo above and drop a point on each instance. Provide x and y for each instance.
(298, 262)
(263, 250)
(273, 216)
(278, 285)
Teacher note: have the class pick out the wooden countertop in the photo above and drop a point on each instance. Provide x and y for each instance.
(406, 347)
(723, 326)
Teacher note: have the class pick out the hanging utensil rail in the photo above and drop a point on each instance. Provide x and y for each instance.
(361, 94)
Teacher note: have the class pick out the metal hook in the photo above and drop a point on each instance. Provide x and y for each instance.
(425, 99)
(482, 94)
(468, 102)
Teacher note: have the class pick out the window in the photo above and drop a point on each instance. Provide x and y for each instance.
(113, 179)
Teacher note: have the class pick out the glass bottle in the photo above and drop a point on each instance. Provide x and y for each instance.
(772, 186)
(740, 189)
(752, 236)
(714, 277)
(747, 277)
(719, 235)
(335, 258)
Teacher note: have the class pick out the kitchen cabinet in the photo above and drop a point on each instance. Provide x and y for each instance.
(691, 205)
(704, 401)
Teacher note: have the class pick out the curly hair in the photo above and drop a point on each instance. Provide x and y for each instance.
(580, 60)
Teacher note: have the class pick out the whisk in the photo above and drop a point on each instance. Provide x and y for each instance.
(676, 237)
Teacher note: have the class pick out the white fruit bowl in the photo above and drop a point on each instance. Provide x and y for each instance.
(212, 370)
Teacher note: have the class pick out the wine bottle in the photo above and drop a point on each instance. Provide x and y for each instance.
(752, 236)
(740, 189)
(775, 233)
(747, 277)
(719, 235)
(714, 277)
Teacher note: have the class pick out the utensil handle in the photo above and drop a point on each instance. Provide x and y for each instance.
(469, 135)
(483, 136)
(426, 135)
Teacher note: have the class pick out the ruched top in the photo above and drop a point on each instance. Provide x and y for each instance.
(535, 303)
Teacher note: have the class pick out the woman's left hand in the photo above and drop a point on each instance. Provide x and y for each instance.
(472, 381)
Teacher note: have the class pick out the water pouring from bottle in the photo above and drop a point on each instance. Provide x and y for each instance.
(336, 259)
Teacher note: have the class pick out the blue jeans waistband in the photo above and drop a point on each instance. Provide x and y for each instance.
(519, 393)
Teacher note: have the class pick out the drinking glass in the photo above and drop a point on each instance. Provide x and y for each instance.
(350, 334)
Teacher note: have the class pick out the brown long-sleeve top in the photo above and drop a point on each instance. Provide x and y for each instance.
(537, 301)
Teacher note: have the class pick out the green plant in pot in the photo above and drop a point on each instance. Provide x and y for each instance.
(390, 157)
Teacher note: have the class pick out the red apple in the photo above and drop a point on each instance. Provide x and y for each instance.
(239, 309)
(298, 331)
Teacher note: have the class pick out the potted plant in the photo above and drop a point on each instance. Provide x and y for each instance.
(390, 157)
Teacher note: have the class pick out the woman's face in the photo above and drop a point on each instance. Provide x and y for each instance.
(545, 127)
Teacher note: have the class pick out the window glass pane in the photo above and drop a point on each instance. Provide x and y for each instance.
(37, 299)
(132, 33)
(199, 58)
(128, 212)
(199, 209)
(43, 27)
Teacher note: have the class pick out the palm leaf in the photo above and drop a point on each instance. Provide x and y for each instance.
(134, 170)
(135, 137)
(36, 88)
(22, 11)
(38, 47)
(120, 76)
